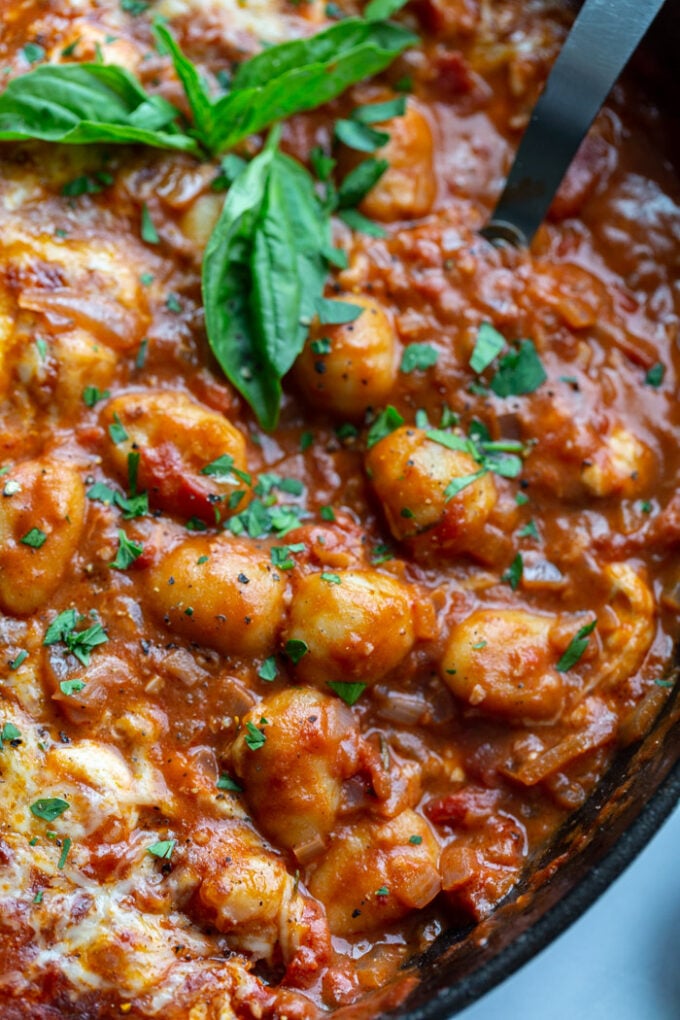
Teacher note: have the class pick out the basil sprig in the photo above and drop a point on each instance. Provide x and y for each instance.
(79, 104)
(286, 79)
(266, 262)
(264, 271)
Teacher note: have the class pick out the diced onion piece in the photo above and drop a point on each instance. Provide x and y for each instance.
(105, 319)
(311, 848)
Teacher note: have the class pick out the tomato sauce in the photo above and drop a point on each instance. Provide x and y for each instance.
(327, 690)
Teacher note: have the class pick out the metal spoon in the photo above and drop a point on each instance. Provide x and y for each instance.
(600, 44)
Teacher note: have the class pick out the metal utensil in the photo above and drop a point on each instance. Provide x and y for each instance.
(600, 44)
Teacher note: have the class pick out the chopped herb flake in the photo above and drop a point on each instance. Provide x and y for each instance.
(66, 846)
(162, 849)
(295, 650)
(35, 538)
(488, 346)
(513, 575)
(418, 358)
(269, 670)
(69, 687)
(387, 422)
(225, 782)
(127, 552)
(49, 808)
(519, 372)
(576, 647)
(148, 231)
(255, 738)
(349, 692)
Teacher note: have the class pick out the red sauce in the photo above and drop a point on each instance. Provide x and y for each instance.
(340, 838)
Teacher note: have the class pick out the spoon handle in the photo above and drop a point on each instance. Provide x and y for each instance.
(600, 44)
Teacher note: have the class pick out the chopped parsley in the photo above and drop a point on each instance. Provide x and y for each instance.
(148, 232)
(331, 578)
(80, 643)
(576, 647)
(35, 538)
(349, 692)
(255, 738)
(87, 185)
(33, 52)
(415, 840)
(513, 575)
(529, 530)
(280, 555)
(387, 422)
(127, 553)
(69, 687)
(18, 659)
(66, 846)
(10, 734)
(295, 649)
(117, 431)
(655, 375)
(222, 469)
(488, 345)
(225, 782)
(49, 808)
(381, 554)
(173, 304)
(92, 395)
(269, 670)
(519, 372)
(327, 513)
(162, 849)
(457, 485)
(418, 358)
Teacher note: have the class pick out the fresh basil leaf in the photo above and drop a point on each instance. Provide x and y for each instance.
(519, 372)
(322, 165)
(360, 137)
(200, 103)
(376, 113)
(301, 75)
(227, 285)
(310, 233)
(358, 182)
(356, 221)
(377, 9)
(76, 104)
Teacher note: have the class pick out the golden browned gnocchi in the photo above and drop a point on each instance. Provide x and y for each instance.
(427, 489)
(192, 460)
(311, 746)
(42, 510)
(376, 872)
(355, 625)
(503, 661)
(222, 592)
(351, 367)
(408, 188)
